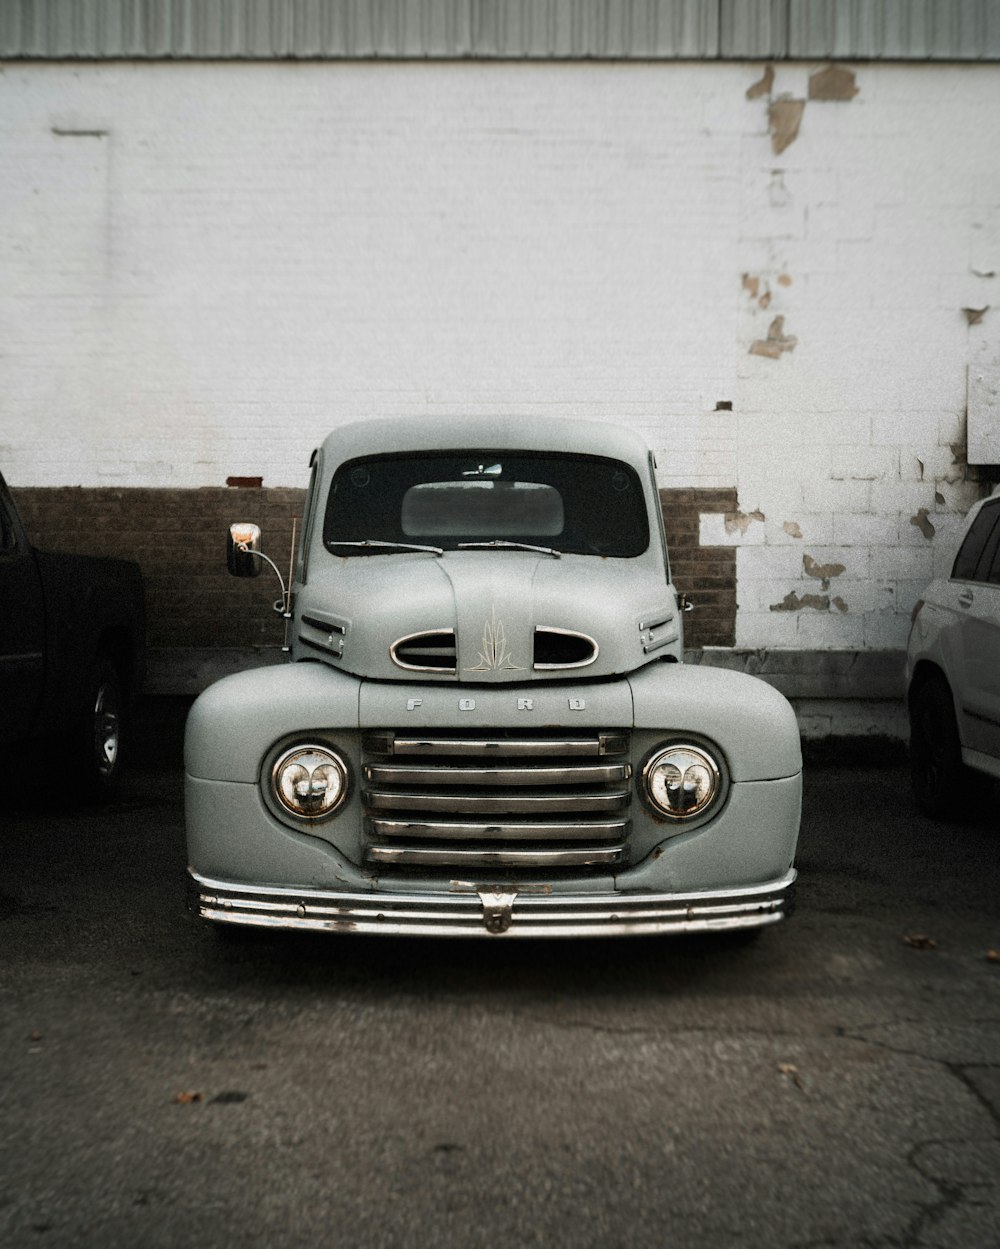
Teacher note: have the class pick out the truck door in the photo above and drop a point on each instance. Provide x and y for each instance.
(22, 628)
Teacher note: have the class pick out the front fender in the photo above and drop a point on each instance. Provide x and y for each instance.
(748, 719)
(236, 721)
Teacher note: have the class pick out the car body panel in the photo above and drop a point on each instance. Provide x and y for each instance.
(60, 614)
(956, 635)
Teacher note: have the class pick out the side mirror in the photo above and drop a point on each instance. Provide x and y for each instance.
(242, 547)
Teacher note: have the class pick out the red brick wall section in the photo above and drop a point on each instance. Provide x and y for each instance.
(706, 574)
(178, 537)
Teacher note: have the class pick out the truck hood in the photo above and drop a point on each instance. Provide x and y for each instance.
(485, 616)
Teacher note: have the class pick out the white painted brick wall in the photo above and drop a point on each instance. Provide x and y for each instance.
(204, 267)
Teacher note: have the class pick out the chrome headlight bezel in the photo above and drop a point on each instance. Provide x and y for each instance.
(320, 765)
(678, 762)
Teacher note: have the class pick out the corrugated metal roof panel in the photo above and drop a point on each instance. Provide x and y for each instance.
(753, 28)
(518, 29)
(945, 30)
(359, 28)
(582, 28)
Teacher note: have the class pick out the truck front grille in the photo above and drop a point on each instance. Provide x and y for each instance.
(515, 801)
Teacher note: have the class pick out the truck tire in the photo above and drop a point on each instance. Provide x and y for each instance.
(98, 739)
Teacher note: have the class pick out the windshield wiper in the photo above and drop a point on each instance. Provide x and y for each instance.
(499, 544)
(387, 546)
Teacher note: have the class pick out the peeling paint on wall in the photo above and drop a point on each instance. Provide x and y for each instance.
(923, 523)
(784, 118)
(822, 572)
(777, 341)
(840, 605)
(793, 602)
(741, 520)
(763, 85)
(975, 315)
(792, 528)
(835, 82)
(757, 288)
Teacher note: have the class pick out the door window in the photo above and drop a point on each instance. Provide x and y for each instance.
(979, 547)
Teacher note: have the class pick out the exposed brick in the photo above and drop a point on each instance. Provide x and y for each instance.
(178, 538)
(707, 574)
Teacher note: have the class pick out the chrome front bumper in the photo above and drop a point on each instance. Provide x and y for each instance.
(484, 913)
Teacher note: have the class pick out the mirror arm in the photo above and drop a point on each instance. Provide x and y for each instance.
(286, 606)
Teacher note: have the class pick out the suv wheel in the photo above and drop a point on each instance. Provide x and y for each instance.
(941, 782)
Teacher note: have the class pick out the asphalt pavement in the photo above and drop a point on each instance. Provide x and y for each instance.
(834, 1084)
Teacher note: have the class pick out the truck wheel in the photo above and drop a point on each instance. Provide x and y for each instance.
(941, 782)
(99, 737)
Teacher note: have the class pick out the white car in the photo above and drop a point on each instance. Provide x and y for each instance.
(953, 672)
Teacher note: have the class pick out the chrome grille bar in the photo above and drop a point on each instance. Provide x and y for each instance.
(451, 830)
(510, 804)
(410, 774)
(504, 747)
(433, 856)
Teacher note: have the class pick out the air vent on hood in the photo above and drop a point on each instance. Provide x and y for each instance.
(556, 649)
(426, 652)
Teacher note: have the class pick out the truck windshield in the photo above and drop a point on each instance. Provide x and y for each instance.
(575, 504)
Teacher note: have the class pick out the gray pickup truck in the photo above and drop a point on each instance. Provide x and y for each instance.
(485, 726)
(72, 650)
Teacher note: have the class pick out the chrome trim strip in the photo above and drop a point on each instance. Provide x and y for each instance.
(426, 633)
(504, 804)
(655, 622)
(648, 632)
(566, 633)
(324, 626)
(464, 914)
(335, 652)
(451, 856)
(420, 774)
(604, 744)
(604, 830)
(654, 644)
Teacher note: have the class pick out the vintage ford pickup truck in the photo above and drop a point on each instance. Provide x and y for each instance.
(485, 726)
(72, 654)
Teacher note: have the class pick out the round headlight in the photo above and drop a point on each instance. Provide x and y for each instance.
(309, 781)
(681, 781)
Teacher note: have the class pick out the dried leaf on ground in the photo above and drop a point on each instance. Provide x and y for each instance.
(187, 1098)
(790, 1070)
(919, 941)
